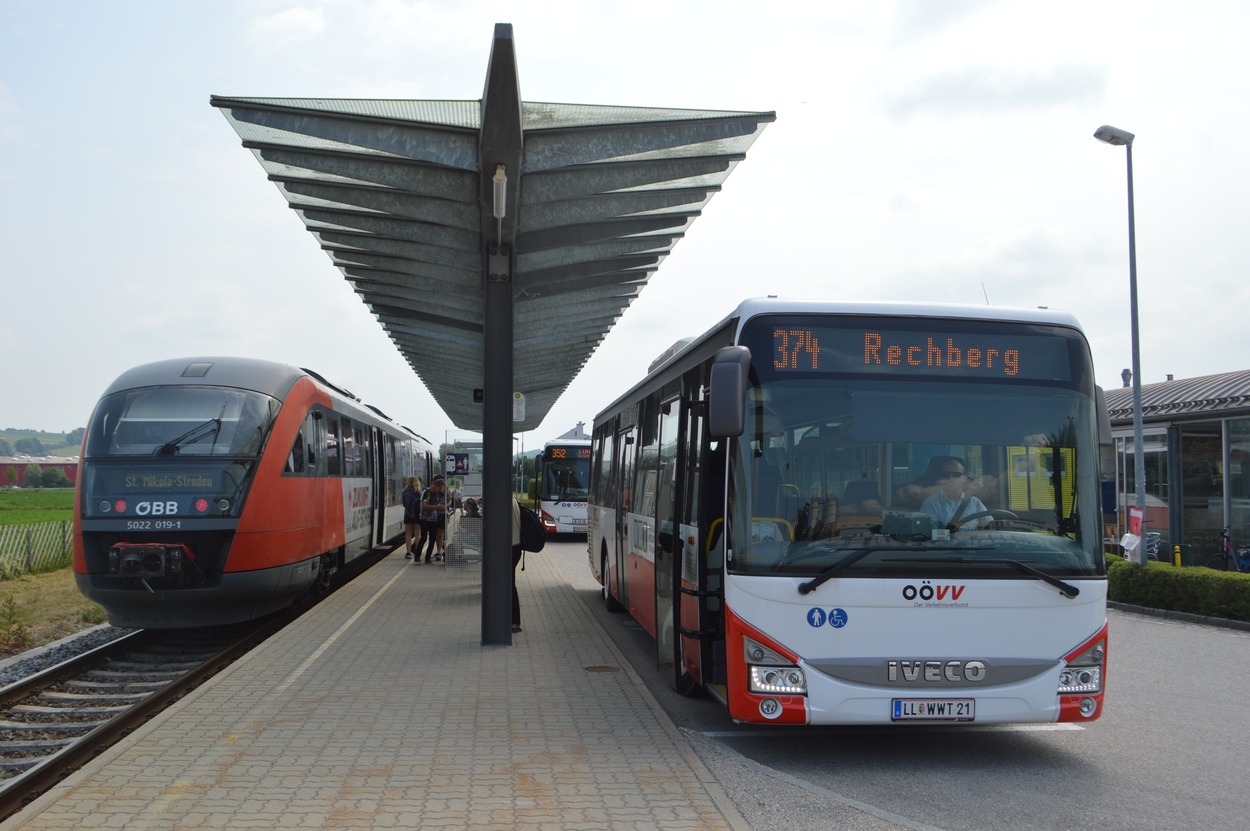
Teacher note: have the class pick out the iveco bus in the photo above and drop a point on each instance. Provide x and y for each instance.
(837, 513)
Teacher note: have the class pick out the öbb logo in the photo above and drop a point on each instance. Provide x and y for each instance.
(926, 592)
(156, 508)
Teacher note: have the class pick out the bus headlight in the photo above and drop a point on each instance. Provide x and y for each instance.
(1080, 680)
(1082, 672)
(778, 680)
(771, 674)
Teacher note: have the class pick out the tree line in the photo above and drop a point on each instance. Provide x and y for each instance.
(32, 446)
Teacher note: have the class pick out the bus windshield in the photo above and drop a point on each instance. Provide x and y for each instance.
(932, 470)
(566, 474)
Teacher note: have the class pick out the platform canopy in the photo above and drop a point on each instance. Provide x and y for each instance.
(402, 197)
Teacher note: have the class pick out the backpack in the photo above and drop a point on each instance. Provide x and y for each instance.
(412, 502)
(533, 534)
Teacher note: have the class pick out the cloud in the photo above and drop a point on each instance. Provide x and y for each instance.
(993, 90)
(287, 27)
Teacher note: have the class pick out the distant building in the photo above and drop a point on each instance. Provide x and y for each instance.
(1196, 443)
(13, 468)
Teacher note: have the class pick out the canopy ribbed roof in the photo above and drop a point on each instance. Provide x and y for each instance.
(391, 191)
(1227, 393)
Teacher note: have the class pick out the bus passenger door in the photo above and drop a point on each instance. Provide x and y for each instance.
(668, 548)
(627, 451)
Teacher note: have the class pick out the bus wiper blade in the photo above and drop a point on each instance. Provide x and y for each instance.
(1066, 589)
(847, 561)
(199, 431)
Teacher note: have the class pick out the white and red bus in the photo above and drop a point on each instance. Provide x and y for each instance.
(563, 475)
(767, 504)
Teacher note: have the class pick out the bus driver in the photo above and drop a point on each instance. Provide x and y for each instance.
(946, 505)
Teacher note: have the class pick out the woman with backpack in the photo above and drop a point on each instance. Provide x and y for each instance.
(411, 500)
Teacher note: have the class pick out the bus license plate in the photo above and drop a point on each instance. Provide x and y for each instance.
(934, 709)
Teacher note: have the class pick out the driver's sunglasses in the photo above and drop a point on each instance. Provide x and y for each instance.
(950, 474)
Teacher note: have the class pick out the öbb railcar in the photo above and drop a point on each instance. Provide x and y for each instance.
(217, 490)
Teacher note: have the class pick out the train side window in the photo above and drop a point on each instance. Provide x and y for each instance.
(310, 440)
(332, 449)
(303, 456)
(295, 459)
(350, 449)
(364, 451)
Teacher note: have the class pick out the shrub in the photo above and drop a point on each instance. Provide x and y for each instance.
(1197, 591)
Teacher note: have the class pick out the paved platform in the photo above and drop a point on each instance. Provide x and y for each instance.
(380, 708)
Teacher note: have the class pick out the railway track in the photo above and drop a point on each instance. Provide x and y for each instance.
(53, 722)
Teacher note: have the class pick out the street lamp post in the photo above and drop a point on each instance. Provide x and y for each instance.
(1117, 137)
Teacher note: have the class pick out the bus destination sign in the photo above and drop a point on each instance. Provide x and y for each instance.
(893, 351)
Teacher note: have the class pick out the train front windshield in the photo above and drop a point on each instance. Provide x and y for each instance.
(190, 450)
(908, 448)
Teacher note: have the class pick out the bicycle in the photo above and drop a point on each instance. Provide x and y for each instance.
(1228, 558)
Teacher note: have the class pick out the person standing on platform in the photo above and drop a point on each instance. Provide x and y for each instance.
(434, 518)
(516, 558)
(411, 500)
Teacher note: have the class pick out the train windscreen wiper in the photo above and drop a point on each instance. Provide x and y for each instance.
(199, 431)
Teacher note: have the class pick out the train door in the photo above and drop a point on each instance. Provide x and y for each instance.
(668, 545)
(383, 481)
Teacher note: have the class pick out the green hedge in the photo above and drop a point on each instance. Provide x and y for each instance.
(1197, 591)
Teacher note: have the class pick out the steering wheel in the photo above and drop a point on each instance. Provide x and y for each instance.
(998, 514)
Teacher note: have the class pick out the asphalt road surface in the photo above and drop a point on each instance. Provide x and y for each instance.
(1170, 752)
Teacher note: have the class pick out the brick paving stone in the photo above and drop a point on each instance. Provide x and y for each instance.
(381, 708)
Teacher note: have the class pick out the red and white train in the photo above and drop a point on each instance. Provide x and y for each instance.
(217, 490)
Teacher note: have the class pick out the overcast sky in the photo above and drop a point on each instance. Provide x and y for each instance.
(922, 151)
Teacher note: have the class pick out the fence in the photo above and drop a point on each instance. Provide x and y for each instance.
(464, 540)
(31, 549)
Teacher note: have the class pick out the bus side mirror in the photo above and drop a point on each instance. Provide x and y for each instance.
(1104, 418)
(727, 392)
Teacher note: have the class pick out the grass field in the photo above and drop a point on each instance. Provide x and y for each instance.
(40, 608)
(24, 506)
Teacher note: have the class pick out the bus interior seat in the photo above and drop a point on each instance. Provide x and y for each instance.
(862, 496)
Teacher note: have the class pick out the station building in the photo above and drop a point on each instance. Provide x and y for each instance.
(1196, 449)
(13, 469)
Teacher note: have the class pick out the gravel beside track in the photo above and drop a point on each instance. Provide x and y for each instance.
(36, 660)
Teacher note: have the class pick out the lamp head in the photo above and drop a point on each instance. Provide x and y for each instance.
(499, 191)
(1113, 135)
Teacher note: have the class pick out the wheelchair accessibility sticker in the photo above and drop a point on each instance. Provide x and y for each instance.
(817, 617)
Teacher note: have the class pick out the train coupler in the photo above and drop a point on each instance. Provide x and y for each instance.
(167, 562)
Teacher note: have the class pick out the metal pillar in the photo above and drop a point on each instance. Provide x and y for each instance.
(500, 171)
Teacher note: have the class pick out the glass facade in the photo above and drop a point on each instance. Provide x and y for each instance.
(1197, 482)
